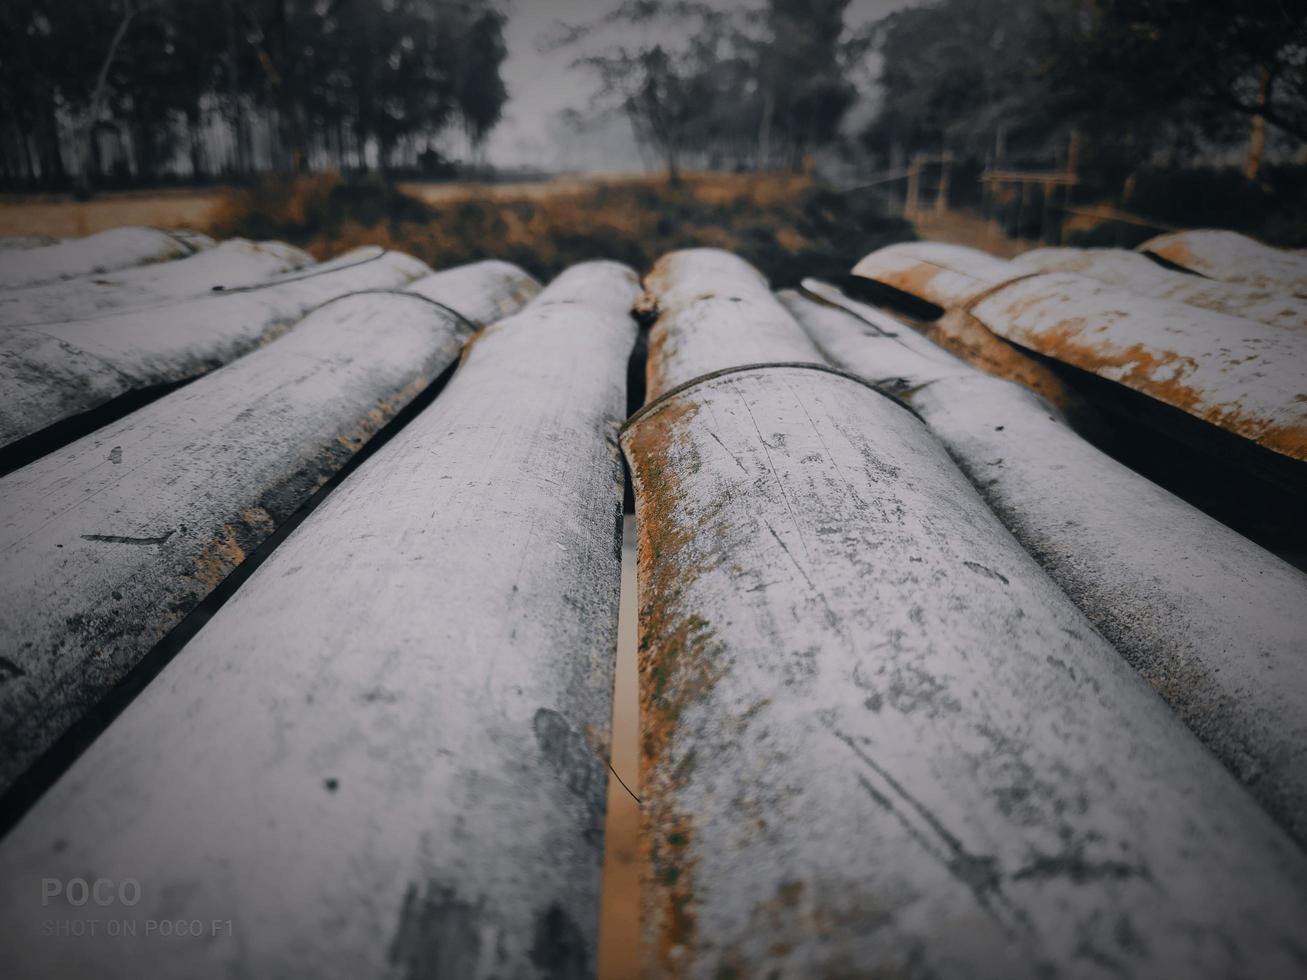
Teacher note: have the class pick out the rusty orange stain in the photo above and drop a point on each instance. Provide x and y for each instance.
(381, 413)
(646, 306)
(218, 559)
(1179, 253)
(915, 280)
(475, 339)
(964, 335)
(225, 551)
(660, 346)
(1160, 375)
(675, 670)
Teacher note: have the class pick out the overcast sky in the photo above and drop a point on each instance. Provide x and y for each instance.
(541, 84)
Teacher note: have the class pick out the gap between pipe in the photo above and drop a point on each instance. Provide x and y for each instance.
(619, 909)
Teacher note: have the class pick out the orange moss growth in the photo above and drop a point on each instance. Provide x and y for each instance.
(972, 341)
(675, 667)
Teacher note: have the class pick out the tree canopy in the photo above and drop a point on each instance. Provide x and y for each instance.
(208, 87)
(1134, 77)
(728, 88)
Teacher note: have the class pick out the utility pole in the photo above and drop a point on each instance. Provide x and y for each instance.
(914, 187)
(941, 195)
(1257, 134)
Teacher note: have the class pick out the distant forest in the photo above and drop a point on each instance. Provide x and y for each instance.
(756, 86)
(763, 84)
(141, 91)
(1139, 80)
(116, 92)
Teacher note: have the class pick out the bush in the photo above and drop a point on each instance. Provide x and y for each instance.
(785, 226)
(1111, 234)
(1273, 209)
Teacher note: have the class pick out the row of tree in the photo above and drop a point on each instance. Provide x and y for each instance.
(146, 89)
(987, 81)
(745, 88)
(1135, 79)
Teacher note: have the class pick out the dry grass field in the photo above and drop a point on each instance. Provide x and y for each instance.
(788, 226)
(60, 216)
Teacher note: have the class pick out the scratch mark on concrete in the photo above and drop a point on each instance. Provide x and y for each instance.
(980, 569)
(123, 539)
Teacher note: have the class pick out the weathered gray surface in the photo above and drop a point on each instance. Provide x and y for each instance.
(21, 243)
(959, 339)
(1140, 274)
(106, 543)
(53, 371)
(501, 287)
(1241, 375)
(719, 305)
(1215, 623)
(105, 251)
(385, 755)
(949, 276)
(1232, 257)
(882, 741)
(232, 263)
(838, 324)
(879, 740)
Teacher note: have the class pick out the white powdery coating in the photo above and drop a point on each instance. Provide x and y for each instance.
(105, 251)
(899, 747)
(946, 275)
(106, 543)
(1232, 257)
(679, 278)
(1214, 622)
(1140, 274)
(54, 371)
(839, 323)
(385, 755)
(593, 285)
(1239, 374)
(232, 263)
(715, 311)
(500, 287)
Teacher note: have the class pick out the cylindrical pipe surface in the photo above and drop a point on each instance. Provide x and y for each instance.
(1215, 623)
(107, 543)
(712, 308)
(57, 370)
(1241, 375)
(878, 738)
(233, 263)
(947, 276)
(1232, 257)
(386, 754)
(1140, 274)
(105, 251)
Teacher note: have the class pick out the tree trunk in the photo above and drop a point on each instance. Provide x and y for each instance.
(1257, 133)
(193, 125)
(87, 135)
(29, 160)
(234, 95)
(52, 165)
(764, 131)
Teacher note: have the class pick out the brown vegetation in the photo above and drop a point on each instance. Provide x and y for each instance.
(789, 227)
